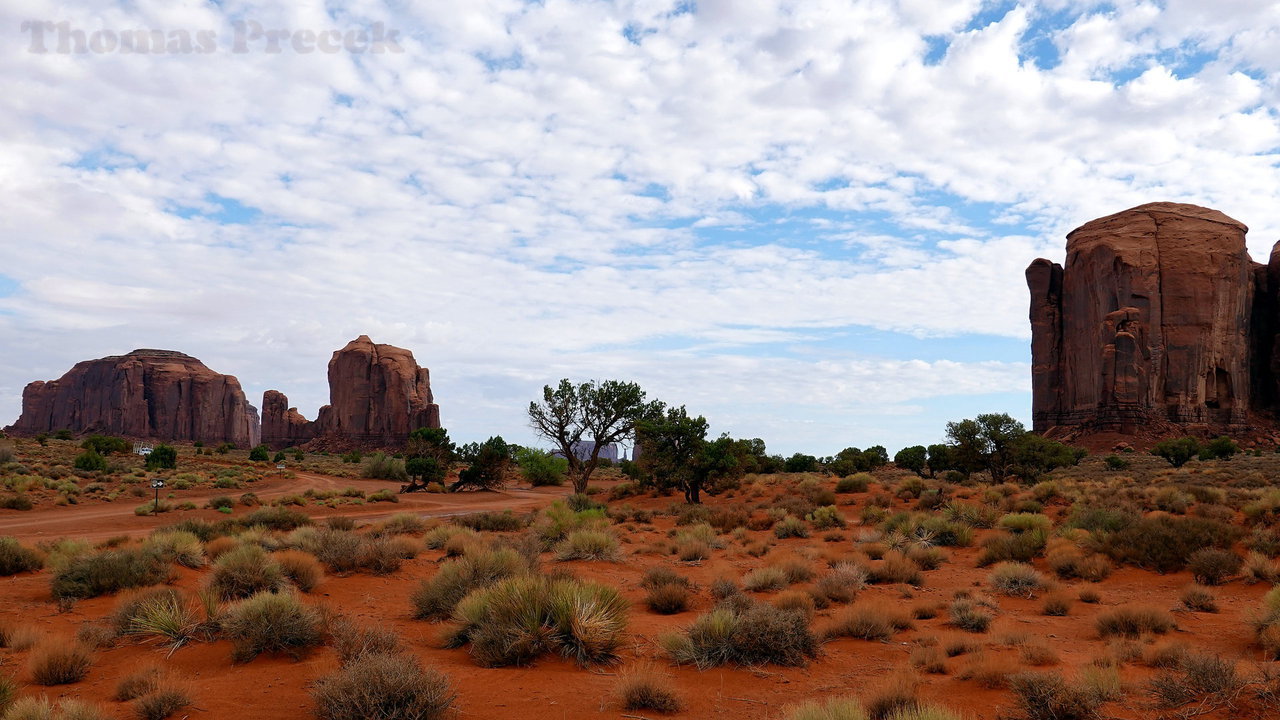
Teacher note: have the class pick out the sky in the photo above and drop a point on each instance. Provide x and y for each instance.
(807, 220)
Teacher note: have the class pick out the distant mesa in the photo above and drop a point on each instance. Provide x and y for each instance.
(378, 394)
(156, 394)
(583, 448)
(1159, 323)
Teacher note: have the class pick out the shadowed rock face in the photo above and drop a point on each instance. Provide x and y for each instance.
(377, 395)
(156, 394)
(1159, 316)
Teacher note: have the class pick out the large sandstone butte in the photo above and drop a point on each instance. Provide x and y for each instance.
(152, 394)
(377, 396)
(1159, 322)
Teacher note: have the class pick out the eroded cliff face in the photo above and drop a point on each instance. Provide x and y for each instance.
(1159, 316)
(378, 394)
(156, 394)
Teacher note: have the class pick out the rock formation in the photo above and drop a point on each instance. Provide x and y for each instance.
(152, 394)
(1158, 319)
(377, 395)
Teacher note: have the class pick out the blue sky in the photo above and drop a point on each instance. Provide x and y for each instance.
(806, 220)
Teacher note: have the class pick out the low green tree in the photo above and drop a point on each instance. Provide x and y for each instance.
(1177, 450)
(105, 444)
(90, 461)
(1219, 448)
(914, 458)
(488, 468)
(260, 453)
(162, 457)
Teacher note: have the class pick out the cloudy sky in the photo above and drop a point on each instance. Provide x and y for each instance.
(806, 219)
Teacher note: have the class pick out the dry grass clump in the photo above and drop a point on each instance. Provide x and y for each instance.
(1266, 623)
(379, 685)
(1047, 696)
(897, 698)
(272, 623)
(589, 545)
(988, 671)
(93, 574)
(968, 614)
(1039, 654)
(836, 708)
(644, 687)
(436, 597)
(867, 621)
(753, 634)
(59, 662)
(1057, 604)
(138, 682)
(1212, 566)
(17, 558)
(765, 579)
(1199, 599)
(1089, 596)
(1012, 578)
(929, 659)
(165, 699)
(31, 708)
(161, 613)
(180, 546)
(1260, 568)
(301, 568)
(895, 567)
(245, 571)
(1195, 678)
(520, 618)
(352, 641)
(668, 599)
(22, 637)
(1133, 622)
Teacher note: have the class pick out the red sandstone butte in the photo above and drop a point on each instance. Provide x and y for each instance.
(152, 394)
(378, 394)
(1158, 319)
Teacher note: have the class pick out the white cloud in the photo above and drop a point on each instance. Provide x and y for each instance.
(512, 196)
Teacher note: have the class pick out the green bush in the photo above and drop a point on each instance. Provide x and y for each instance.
(436, 597)
(244, 571)
(17, 558)
(1177, 451)
(588, 545)
(271, 623)
(386, 686)
(17, 501)
(260, 453)
(381, 466)
(1014, 578)
(162, 457)
(1165, 544)
(757, 634)
(856, 483)
(1220, 448)
(91, 461)
(505, 521)
(108, 571)
(1115, 462)
(520, 618)
(105, 445)
(276, 518)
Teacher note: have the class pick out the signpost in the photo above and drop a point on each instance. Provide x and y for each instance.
(156, 485)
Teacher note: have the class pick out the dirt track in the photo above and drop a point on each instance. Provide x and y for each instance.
(98, 521)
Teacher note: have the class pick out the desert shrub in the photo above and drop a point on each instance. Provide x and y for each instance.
(929, 659)
(969, 615)
(895, 568)
(91, 461)
(1019, 547)
(1165, 544)
(381, 466)
(790, 527)
(271, 623)
(505, 521)
(277, 518)
(381, 685)
(1199, 599)
(646, 688)
(1056, 604)
(1013, 578)
(1099, 519)
(1177, 450)
(352, 641)
(137, 683)
(108, 571)
(588, 545)
(436, 597)
(162, 457)
(17, 501)
(1212, 566)
(869, 621)
(59, 662)
(836, 708)
(159, 612)
(162, 702)
(1260, 568)
(1038, 654)
(765, 579)
(541, 468)
(520, 618)
(856, 483)
(1025, 522)
(897, 698)
(1193, 677)
(31, 708)
(16, 557)
(826, 518)
(754, 634)
(179, 546)
(667, 594)
(383, 496)
(842, 583)
(300, 568)
(244, 571)
(1046, 696)
(1133, 621)
(1115, 462)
